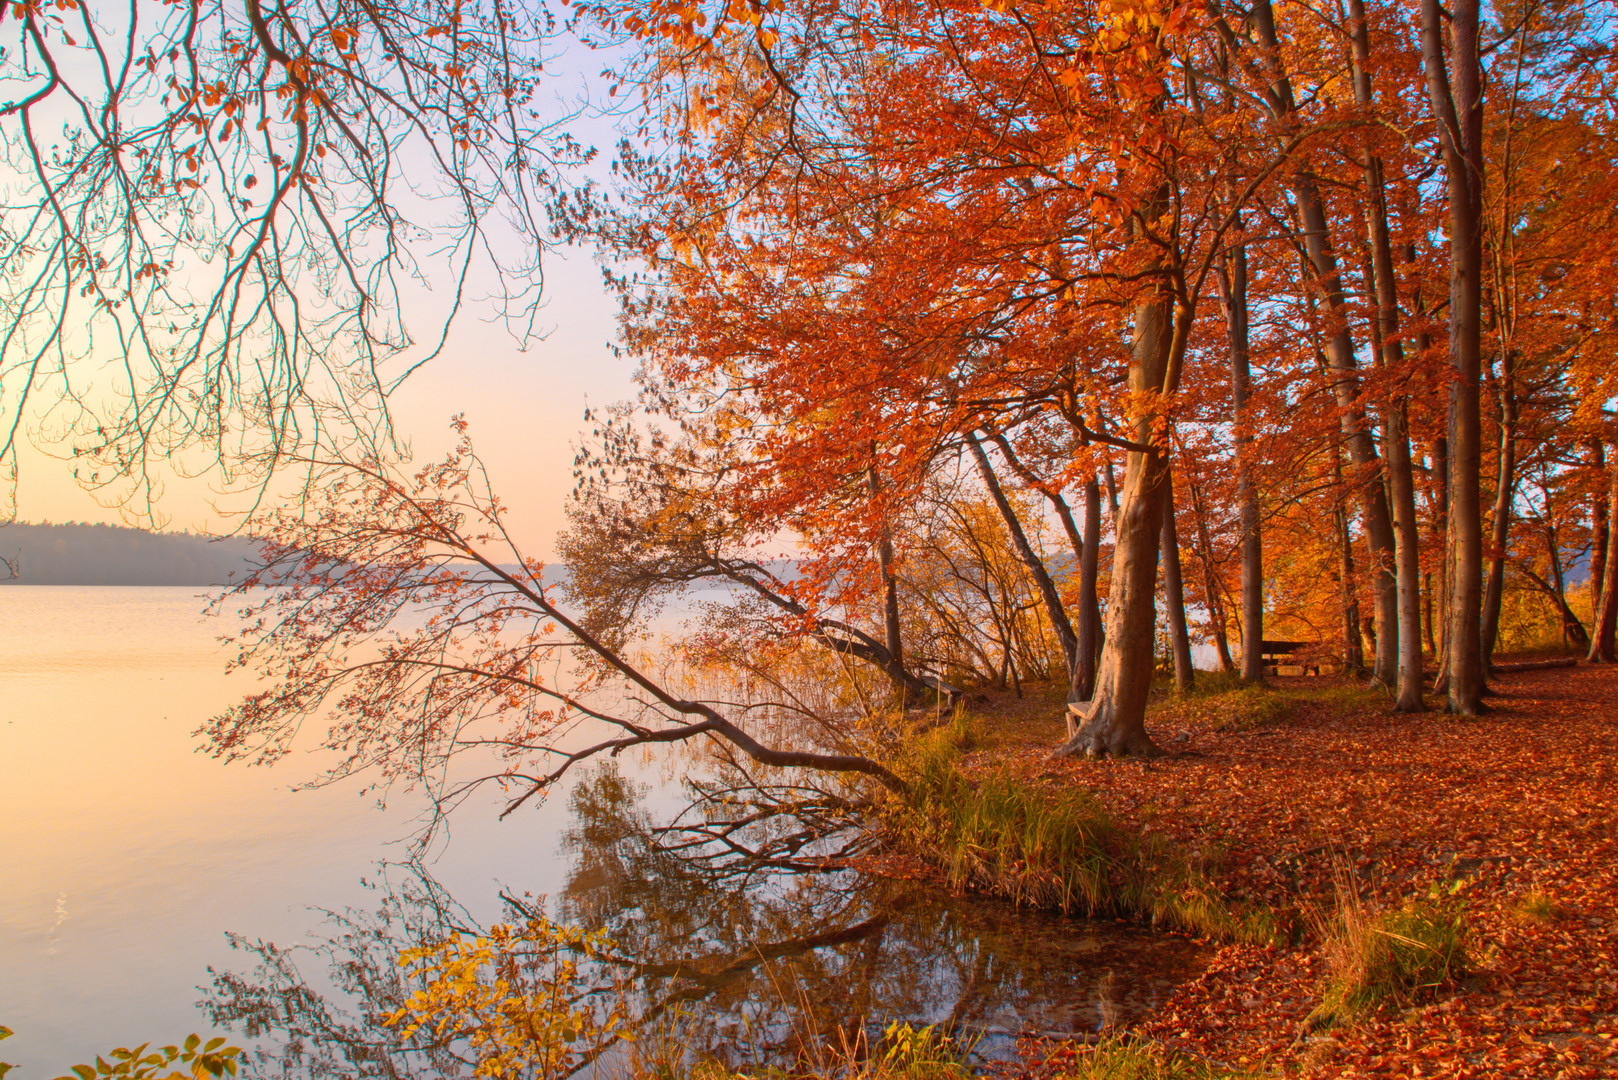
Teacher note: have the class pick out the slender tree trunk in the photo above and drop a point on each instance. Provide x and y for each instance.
(1504, 492)
(1232, 281)
(1572, 628)
(1030, 558)
(1401, 491)
(1573, 631)
(1210, 583)
(890, 593)
(1456, 93)
(1353, 652)
(1114, 721)
(1339, 350)
(1606, 616)
(1174, 591)
(1599, 524)
(1084, 675)
(1440, 472)
(1427, 612)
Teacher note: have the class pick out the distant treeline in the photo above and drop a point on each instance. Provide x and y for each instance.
(77, 554)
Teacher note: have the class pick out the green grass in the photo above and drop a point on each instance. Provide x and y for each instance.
(999, 836)
(1122, 1057)
(903, 1053)
(1381, 958)
(1540, 906)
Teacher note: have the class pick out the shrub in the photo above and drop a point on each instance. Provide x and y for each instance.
(1381, 958)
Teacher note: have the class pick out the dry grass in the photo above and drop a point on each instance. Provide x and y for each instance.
(1379, 958)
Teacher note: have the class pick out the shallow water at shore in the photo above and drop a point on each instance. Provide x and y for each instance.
(130, 856)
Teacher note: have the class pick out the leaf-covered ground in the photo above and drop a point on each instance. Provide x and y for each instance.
(1512, 813)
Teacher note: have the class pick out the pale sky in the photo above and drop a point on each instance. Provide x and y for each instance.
(525, 407)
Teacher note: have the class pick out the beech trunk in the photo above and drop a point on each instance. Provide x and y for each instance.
(1455, 89)
(1232, 281)
(1114, 720)
(1174, 591)
(1602, 633)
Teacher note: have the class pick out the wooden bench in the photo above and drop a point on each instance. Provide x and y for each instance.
(1290, 657)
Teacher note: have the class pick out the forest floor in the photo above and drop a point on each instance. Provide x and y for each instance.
(1287, 792)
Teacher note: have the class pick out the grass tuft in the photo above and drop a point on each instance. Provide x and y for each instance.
(1064, 852)
(1122, 1057)
(1540, 907)
(1380, 958)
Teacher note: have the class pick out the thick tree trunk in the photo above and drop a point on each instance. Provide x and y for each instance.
(1456, 93)
(1606, 616)
(1114, 721)
(1174, 591)
(1030, 558)
(1232, 281)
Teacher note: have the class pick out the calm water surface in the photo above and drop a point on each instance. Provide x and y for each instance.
(127, 857)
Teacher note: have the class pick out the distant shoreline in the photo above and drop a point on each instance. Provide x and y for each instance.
(117, 555)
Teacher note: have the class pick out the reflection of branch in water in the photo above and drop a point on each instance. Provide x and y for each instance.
(729, 949)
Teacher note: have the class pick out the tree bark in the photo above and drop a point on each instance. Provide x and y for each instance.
(1606, 616)
(1353, 651)
(1084, 675)
(1572, 629)
(1210, 583)
(1455, 90)
(1030, 558)
(1401, 492)
(1599, 524)
(1114, 721)
(897, 671)
(1504, 492)
(1339, 350)
(1174, 591)
(1231, 278)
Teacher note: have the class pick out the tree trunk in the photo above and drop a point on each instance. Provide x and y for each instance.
(1030, 558)
(1339, 349)
(897, 672)
(1210, 583)
(1599, 524)
(1353, 651)
(1456, 93)
(1504, 492)
(1114, 721)
(1174, 591)
(1395, 417)
(1084, 676)
(1232, 281)
(1440, 475)
(1572, 629)
(1606, 616)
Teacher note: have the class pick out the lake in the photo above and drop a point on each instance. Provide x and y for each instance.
(129, 859)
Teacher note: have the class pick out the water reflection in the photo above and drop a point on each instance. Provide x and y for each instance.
(751, 956)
